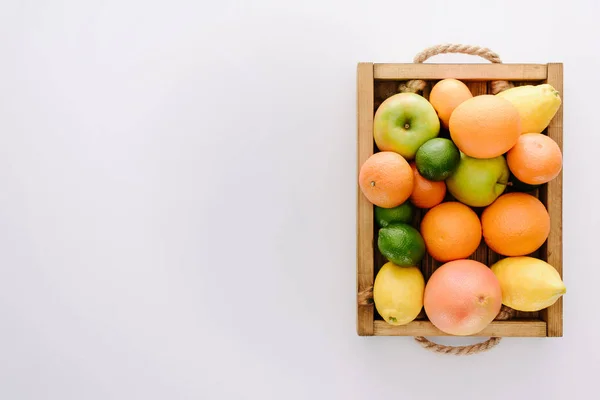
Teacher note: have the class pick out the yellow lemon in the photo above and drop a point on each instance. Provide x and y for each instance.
(398, 293)
(537, 105)
(527, 283)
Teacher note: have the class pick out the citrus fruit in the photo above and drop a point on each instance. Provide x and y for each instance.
(451, 231)
(386, 179)
(537, 105)
(398, 293)
(527, 283)
(535, 159)
(462, 297)
(403, 122)
(515, 224)
(446, 95)
(386, 216)
(485, 126)
(426, 193)
(401, 244)
(437, 159)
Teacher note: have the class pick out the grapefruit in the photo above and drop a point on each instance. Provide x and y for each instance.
(462, 297)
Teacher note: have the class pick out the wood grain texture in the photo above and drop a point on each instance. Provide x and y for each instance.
(466, 72)
(364, 215)
(554, 250)
(496, 328)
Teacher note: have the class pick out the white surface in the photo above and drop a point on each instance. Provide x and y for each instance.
(177, 212)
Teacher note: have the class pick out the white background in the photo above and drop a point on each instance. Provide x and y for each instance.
(177, 199)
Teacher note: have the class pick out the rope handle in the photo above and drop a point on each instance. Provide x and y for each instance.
(505, 313)
(365, 297)
(417, 85)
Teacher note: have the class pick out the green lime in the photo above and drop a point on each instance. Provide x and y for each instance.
(401, 244)
(437, 159)
(403, 213)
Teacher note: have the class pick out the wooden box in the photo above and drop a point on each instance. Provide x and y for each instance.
(378, 81)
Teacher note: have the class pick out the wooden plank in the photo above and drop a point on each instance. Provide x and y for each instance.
(364, 215)
(554, 314)
(477, 88)
(467, 72)
(496, 328)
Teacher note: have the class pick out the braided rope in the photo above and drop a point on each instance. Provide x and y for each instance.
(458, 350)
(482, 52)
(417, 85)
(504, 314)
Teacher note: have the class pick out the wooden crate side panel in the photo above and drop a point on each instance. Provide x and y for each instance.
(496, 328)
(364, 216)
(553, 199)
(466, 72)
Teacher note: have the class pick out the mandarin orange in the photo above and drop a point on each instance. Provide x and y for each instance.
(446, 95)
(451, 231)
(535, 159)
(426, 193)
(516, 224)
(386, 179)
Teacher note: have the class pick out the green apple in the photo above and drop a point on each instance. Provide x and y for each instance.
(403, 122)
(477, 182)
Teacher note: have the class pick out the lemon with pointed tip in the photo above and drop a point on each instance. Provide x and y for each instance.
(398, 293)
(527, 283)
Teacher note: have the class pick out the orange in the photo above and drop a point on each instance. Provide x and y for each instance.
(535, 159)
(451, 231)
(426, 193)
(386, 179)
(446, 95)
(515, 224)
(485, 126)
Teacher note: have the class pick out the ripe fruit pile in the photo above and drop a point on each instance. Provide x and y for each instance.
(459, 181)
